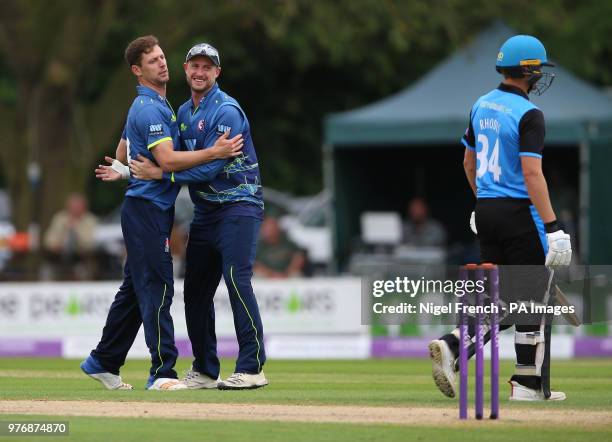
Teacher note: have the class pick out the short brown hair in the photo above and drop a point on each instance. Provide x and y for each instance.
(142, 45)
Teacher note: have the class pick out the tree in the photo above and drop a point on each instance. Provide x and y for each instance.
(51, 128)
(65, 114)
(289, 63)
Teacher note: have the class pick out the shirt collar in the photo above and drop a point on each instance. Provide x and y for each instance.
(210, 93)
(144, 90)
(513, 90)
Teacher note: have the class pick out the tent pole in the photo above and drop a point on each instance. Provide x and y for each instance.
(585, 203)
(329, 182)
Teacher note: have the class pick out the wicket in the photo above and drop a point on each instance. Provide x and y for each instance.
(482, 272)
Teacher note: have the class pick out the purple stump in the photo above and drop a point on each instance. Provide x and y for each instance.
(479, 329)
(463, 357)
(494, 291)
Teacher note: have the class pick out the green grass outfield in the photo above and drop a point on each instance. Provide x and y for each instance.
(389, 383)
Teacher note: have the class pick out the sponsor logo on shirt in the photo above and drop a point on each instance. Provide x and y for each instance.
(156, 129)
(221, 129)
(495, 106)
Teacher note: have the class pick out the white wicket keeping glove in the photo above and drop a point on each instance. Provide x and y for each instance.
(559, 249)
(121, 169)
(473, 223)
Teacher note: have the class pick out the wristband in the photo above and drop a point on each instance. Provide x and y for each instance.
(551, 227)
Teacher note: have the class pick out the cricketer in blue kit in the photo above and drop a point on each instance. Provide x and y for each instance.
(147, 217)
(223, 234)
(514, 219)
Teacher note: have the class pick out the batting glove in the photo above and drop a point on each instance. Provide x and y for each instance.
(559, 249)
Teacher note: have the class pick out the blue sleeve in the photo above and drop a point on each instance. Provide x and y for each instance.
(228, 118)
(123, 135)
(155, 125)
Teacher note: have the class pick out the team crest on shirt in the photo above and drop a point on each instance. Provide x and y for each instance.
(201, 125)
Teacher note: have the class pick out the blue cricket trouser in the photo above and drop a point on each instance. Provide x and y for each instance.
(146, 293)
(224, 248)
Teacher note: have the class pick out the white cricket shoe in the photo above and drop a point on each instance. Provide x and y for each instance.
(92, 368)
(521, 393)
(167, 384)
(243, 381)
(194, 380)
(443, 366)
(111, 381)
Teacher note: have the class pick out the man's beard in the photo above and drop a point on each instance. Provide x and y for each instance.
(160, 83)
(204, 87)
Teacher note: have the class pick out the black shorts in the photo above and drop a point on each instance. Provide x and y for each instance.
(510, 232)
